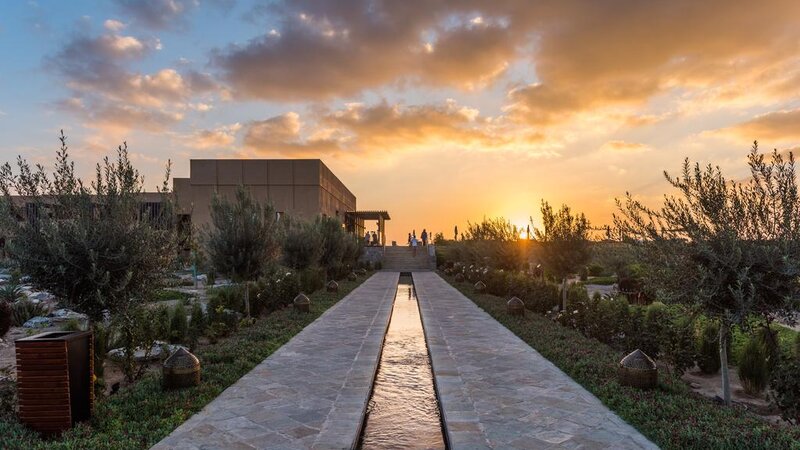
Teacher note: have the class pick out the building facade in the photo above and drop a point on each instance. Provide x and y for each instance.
(302, 188)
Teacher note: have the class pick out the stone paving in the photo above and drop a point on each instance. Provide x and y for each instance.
(312, 392)
(495, 391)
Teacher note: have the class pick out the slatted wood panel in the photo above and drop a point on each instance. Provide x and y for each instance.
(43, 385)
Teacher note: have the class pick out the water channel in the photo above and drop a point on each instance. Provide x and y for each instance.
(403, 411)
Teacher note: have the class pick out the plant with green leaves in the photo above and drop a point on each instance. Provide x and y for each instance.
(753, 370)
(244, 238)
(97, 246)
(565, 245)
(729, 249)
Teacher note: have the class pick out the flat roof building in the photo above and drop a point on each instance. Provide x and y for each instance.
(302, 188)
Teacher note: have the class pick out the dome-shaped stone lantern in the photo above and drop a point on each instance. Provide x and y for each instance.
(459, 277)
(480, 286)
(352, 276)
(181, 369)
(332, 286)
(362, 271)
(638, 370)
(302, 303)
(515, 307)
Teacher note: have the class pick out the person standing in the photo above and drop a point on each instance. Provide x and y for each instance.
(455, 233)
(409, 239)
(414, 245)
(366, 238)
(424, 237)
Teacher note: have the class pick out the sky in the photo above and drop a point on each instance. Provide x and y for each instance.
(441, 112)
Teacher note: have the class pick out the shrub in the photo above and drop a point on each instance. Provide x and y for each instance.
(197, 325)
(302, 246)
(5, 317)
(71, 325)
(11, 292)
(25, 309)
(797, 346)
(595, 270)
(311, 279)
(161, 322)
(785, 388)
(769, 340)
(228, 297)
(634, 328)
(678, 344)
(708, 349)
(277, 289)
(178, 325)
(606, 319)
(753, 370)
(655, 323)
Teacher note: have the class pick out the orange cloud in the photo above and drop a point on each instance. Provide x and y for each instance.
(776, 126)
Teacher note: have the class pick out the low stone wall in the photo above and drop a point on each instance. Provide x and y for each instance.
(372, 254)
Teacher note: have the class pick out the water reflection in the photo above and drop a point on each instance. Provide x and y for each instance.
(403, 412)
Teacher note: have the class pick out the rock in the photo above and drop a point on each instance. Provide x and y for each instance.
(352, 276)
(37, 297)
(63, 315)
(159, 350)
(38, 322)
(694, 385)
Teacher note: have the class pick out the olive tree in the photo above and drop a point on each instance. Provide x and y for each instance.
(243, 238)
(731, 249)
(565, 245)
(97, 247)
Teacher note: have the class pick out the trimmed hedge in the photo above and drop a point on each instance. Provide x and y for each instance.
(672, 416)
(142, 415)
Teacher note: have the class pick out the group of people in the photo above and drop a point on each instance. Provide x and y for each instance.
(371, 239)
(414, 242)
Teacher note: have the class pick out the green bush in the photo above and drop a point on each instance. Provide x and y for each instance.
(71, 325)
(708, 349)
(277, 289)
(227, 297)
(607, 318)
(797, 346)
(161, 323)
(678, 344)
(672, 416)
(24, 310)
(753, 370)
(302, 245)
(311, 279)
(656, 321)
(198, 324)
(178, 325)
(785, 388)
(11, 292)
(595, 270)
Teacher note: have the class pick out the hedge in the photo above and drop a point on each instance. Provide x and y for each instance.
(672, 416)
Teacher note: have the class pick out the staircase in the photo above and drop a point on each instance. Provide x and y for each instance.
(402, 258)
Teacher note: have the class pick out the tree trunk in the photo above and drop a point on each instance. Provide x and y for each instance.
(564, 294)
(723, 359)
(247, 299)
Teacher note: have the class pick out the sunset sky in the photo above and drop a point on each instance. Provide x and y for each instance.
(438, 111)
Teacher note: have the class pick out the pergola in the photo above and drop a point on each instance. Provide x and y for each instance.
(354, 222)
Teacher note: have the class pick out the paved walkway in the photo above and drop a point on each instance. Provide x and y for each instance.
(495, 391)
(312, 392)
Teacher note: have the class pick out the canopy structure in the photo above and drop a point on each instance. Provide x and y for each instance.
(354, 223)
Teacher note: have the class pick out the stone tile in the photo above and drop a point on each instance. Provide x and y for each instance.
(310, 393)
(517, 398)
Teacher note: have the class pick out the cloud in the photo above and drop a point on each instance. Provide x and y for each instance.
(384, 128)
(624, 147)
(106, 94)
(113, 25)
(337, 49)
(157, 14)
(221, 137)
(774, 126)
(587, 58)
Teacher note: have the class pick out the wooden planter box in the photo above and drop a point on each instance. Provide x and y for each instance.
(55, 373)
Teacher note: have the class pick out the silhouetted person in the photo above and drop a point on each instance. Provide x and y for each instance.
(414, 245)
(455, 233)
(424, 237)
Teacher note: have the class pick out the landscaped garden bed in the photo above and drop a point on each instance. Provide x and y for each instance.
(672, 416)
(141, 415)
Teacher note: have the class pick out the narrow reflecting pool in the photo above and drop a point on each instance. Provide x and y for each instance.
(403, 411)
